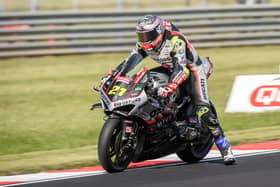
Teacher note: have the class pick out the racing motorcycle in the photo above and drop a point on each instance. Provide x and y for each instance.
(140, 125)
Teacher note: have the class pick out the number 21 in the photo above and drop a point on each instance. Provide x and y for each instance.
(121, 91)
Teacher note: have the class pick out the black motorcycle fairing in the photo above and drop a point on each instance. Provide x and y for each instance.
(147, 122)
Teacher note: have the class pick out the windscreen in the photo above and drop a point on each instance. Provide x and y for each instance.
(125, 85)
(132, 69)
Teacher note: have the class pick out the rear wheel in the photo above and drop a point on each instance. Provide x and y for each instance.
(113, 153)
(198, 149)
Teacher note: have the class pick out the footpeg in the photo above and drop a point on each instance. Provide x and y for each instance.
(186, 132)
(191, 134)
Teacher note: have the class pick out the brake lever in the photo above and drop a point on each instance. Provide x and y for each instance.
(96, 105)
(96, 88)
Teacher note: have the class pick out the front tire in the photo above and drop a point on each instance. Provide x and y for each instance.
(112, 155)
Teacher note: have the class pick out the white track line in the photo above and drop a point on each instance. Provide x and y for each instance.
(46, 177)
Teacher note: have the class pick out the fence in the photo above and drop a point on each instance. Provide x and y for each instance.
(27, 34)
(44, 5)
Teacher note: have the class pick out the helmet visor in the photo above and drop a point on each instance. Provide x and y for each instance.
(147, 36)
(155, 44)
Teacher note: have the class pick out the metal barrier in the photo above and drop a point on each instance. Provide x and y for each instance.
(27, 34)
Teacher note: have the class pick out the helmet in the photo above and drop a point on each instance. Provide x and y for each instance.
(150, 32)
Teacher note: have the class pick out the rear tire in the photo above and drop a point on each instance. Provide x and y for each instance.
(110, 143)
(197, 150)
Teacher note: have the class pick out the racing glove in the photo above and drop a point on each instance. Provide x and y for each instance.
(167, 90)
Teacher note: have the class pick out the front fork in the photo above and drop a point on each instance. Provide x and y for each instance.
(129, 135)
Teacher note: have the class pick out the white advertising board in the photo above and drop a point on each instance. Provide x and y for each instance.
(255, 93)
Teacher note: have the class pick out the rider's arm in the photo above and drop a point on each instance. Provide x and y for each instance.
(180, 71)
(185, 54)
(135, 57)
(193, 59)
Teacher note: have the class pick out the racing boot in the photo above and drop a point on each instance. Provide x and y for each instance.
(206, 115)
(224, 147)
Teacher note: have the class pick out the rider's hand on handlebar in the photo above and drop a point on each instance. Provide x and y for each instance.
(167, 90)
(164, 91)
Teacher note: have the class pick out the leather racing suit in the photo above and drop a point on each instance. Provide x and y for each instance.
(178, 55)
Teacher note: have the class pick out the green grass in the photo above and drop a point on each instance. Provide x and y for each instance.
(48, 160)
(45, 121)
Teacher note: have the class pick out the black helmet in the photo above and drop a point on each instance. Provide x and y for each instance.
(150, 31)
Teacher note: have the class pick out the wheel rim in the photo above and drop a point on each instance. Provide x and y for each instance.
(117, 154)
(205, 141)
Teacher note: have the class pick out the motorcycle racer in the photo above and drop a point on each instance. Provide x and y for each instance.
(162, 41)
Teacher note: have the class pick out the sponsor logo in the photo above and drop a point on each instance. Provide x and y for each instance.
(255, 93)
(127, 102)
(203, 88)
(123, 79)
(266, 96)
(162, 60)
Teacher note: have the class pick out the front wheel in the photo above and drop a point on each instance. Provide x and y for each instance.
(112, 152)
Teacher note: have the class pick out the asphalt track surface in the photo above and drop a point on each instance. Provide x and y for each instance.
(250, 171)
